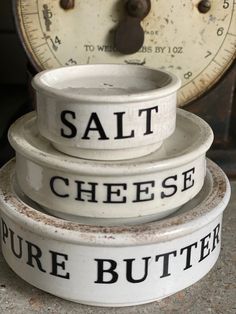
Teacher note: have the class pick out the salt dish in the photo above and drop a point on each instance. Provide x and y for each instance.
(106, 111)
(113, 266)
(140, 189)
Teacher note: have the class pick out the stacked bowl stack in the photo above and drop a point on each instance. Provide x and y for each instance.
(109, 201)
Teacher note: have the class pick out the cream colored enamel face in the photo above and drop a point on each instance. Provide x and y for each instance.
(198, 47)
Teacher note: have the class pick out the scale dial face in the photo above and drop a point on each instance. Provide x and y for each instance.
(178, 37)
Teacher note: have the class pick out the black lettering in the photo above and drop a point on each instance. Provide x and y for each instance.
(166, 185)
(205, 245)
(120, 134)
(188, 254)
(101, 48)
(34, 256)
(129, 271)
(188, 177)
(90, 193)
(72, 129)
(117, 192)
(110, 270)
(148, 118)
(98, 127)
(19, 254)
(56, 264)
(216, 238)
(140, 190)
(4, 231)
(165, 262)
(52, 181)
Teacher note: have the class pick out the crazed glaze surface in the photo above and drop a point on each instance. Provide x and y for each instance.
(113, 266)
(106, 111)
(141, 189)
(216, 192)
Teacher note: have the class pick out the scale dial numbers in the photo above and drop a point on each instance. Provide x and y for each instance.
(197, 46)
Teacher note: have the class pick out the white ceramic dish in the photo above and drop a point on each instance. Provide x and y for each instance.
(113, 266)
(106, 111)
(154, 185)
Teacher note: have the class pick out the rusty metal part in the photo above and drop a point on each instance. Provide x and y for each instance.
(204, 6)
(67, 4)
(129, 36)
(138, 8)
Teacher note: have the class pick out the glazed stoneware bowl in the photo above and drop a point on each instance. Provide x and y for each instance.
(106, 111)
(134, 190)
(113, 266)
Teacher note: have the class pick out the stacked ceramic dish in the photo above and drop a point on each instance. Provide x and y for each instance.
(105, 157)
